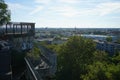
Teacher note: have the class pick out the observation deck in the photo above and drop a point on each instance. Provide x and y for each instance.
(17, 29)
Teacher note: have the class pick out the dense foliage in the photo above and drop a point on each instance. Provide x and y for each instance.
(4, 13)
(109, 39)
(78, 60)
(35, 52)
(118, 40)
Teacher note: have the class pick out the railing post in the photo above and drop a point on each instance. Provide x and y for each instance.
(6, 29)
(27, 28)
(21, 27)
(10, 31)
(13, 29)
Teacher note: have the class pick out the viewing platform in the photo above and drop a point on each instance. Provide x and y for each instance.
(17, 29)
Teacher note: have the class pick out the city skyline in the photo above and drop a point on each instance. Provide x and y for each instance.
(67, 13)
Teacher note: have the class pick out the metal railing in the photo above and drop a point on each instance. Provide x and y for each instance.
(18, 28)
(32, 74)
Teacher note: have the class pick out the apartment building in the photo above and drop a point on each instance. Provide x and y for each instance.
(109, 47)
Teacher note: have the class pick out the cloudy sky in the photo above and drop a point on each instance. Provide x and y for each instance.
(67, 13)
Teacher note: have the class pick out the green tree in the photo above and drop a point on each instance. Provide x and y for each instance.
(101, 56)
(116, 58)
(118, 40)
(109, 39)
(103, 67)
(35, 52)
(102, 71)
(95, 72)
(73, 57)
(34, 55)
(4, 13)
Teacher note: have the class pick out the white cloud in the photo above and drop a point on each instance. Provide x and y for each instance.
(83, 1)
(115, 17)
(107, 8)
(102, 9)
(66, 11)
(69, 1)
(42, 1)
(16, 6)
(37, 9)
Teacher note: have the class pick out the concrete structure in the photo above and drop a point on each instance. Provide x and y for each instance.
(17, 36)
(5, 65)
(20, 34)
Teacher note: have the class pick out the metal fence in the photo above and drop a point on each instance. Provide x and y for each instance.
(31, 73)
(17, 28)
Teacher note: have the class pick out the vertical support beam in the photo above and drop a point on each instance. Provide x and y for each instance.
(6, 29)
(21, 27)
(27, 28)
(34, 28)
(24, 28)
(13, 28)
(16, 28)
(10, 28)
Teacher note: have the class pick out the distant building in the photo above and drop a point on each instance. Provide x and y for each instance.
(98, 37)
(109, 47)
(19, 34)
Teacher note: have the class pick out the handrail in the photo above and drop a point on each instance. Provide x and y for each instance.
(35, 74)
